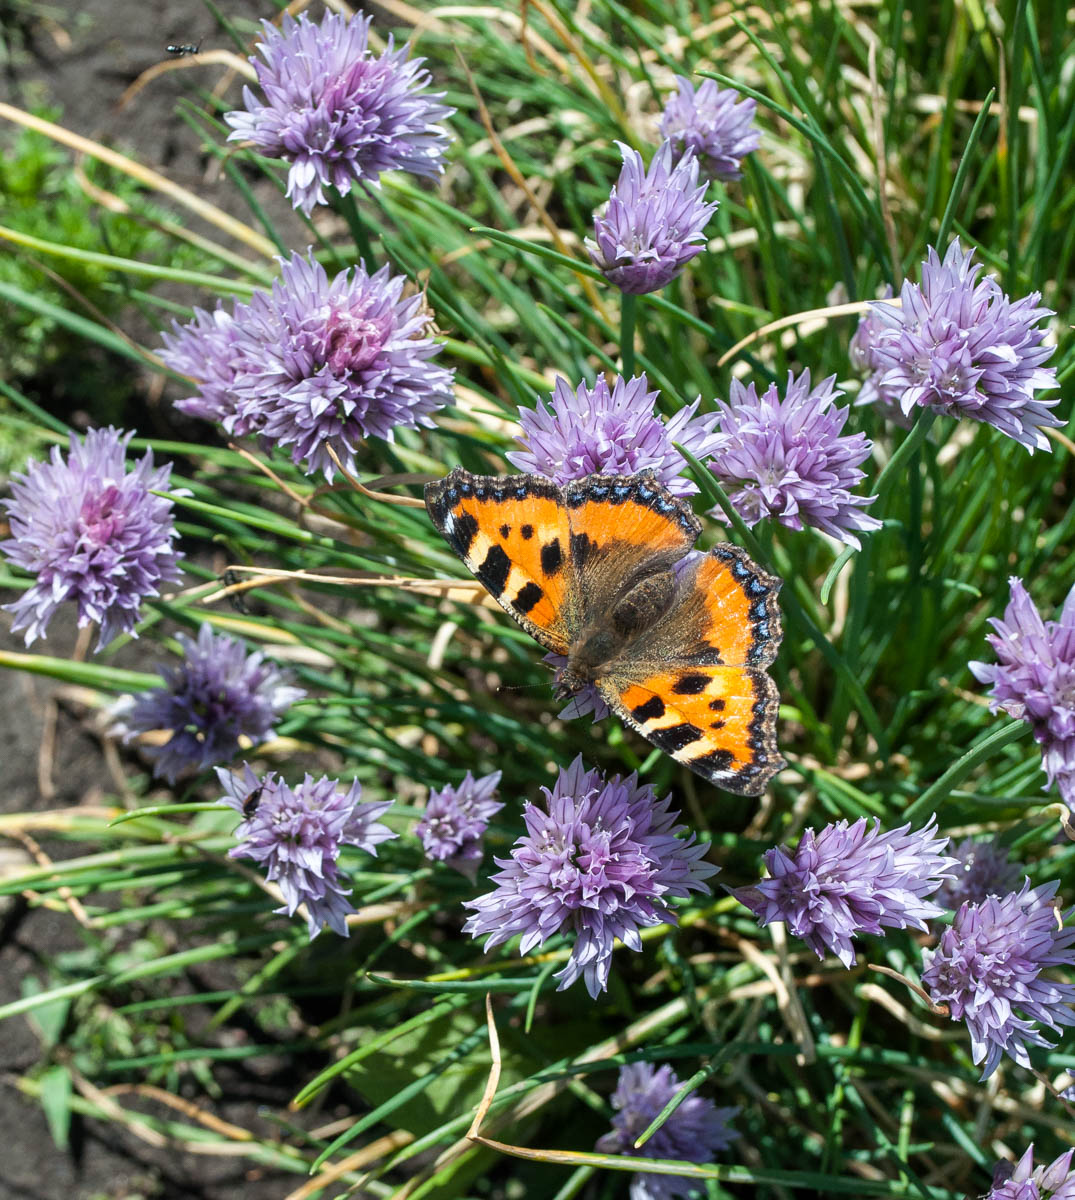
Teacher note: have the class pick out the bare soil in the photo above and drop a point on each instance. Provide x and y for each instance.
(81, 57)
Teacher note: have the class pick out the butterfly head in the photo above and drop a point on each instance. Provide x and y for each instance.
(586, 662)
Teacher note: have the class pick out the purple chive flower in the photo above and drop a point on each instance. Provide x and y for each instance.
(714, 123)
(611, 431)
(787, 459)
(864, 362)
(653, 224)
(988, 968)
(455, 820)
(92, 532)
(295, 835)
(601, 863)
(848, 880)
(963, 348)
(217, 695)
(862, 349)
(981, 869)
(695, 1132)
(1024, 1181)
(337, 113)
(207, 348)
(1034, 680)
(315, 361)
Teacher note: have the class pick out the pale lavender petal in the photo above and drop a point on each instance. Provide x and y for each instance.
(613, 430)
(295, 835)
(601, 860)
(789, 460)
(218, 694)
(988, 968)
(982, 869)
(851, 879)
(1034, 680)
(455, 821)
(92, 532)
(653, 223)
(338, 113)
(315, 361)
(695, 1132)
(714, 123)
(961, 346)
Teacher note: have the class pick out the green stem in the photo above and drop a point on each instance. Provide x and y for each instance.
(357, 226)
(628, 310)
(962, 767)
(905, 449)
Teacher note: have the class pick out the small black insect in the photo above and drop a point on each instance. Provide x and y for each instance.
(251, 801)
(183, 49)
(230, 579)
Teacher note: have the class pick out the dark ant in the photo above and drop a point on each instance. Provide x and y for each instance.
(183, 49)
(251, 802)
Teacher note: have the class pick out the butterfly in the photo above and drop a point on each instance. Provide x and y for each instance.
(598, 571)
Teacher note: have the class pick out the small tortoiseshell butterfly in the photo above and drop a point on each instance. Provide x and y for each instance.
(588, 570)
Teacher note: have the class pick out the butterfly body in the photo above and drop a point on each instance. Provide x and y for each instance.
(595, 648)
(602, 572)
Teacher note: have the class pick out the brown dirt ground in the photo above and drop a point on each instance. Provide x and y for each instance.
(82, 57)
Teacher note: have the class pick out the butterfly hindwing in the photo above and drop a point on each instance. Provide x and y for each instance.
(695, 684)
(727, 613)
(718, 721)
(512, 531)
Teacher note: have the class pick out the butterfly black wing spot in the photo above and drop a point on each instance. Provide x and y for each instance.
(691, 684)
(464, 529)
(494, 570)
(716, 762)
(552, 558)
(675, 737)
(529, 595)
(582, 548)
(652, 710)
